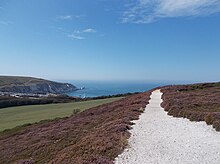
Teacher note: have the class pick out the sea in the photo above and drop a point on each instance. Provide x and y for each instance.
(95, 89)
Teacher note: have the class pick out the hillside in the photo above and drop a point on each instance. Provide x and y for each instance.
(99, 134)
(30, 85)
(20, 115)
(159, 138)
(197, 102)
(96, 135)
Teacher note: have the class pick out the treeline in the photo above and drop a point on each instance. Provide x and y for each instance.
(8, 101)
(110, 96)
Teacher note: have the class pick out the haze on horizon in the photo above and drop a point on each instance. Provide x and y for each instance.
(132, 40)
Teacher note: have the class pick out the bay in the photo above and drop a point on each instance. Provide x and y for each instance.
(95, 89)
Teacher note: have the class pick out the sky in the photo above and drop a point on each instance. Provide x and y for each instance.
(117, 40)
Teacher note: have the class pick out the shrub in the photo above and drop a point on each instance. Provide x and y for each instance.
(198, 102)
(26, 161)
(194, 117)
(75, 111)
(216, 125)
(181, 113)
(209, 119)
(201, 116)
(141, 110)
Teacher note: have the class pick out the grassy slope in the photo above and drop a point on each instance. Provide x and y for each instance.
(19, 80)
(33, 85)
(93, 136)
(8, 80)
(14, 116)
(98, 135)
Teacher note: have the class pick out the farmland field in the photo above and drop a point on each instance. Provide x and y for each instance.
(15, 116)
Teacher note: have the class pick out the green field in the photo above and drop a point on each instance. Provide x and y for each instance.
(14, 116)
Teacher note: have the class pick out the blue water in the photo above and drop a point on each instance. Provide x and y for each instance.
(94, 89)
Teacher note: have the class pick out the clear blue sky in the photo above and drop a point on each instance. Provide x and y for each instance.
(111, 39)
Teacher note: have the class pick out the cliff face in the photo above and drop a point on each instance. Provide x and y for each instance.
(31, 85)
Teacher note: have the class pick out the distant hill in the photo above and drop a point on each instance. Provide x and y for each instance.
(30, 85)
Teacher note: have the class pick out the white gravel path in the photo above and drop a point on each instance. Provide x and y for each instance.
(159, 138)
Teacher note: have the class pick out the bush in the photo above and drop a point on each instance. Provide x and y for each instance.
(216, 125)
(141, 110)
(75, 111)
(209, 119)
(198, 102)
(201, 116)
(194, 117)
(181, 113)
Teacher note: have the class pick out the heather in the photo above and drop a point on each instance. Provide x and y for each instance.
(96, 135)
(197, 102)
